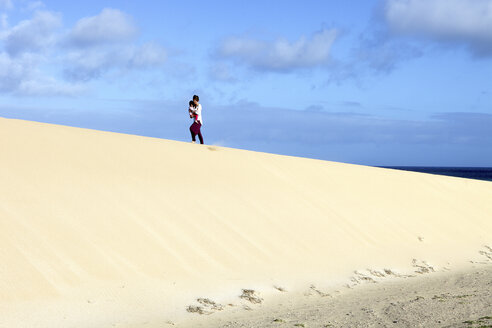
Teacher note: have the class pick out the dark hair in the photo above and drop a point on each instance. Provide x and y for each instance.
(195, 97)
(192, 103)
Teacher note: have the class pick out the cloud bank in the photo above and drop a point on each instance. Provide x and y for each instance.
(39, 56)
(33, 35)
(461, 22)
(107, 42)
(319, 126)
(110, 26)
(280, 55)
(402, 30)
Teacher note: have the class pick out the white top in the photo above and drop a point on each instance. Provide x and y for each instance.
(198, 112)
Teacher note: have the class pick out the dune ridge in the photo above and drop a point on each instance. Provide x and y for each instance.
(106, 228)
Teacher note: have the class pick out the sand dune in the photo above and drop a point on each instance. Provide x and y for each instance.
(451, 299)
(101, 229)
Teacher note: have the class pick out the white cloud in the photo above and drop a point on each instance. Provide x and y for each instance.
(38, 58)
(13, 72)
(25, 50)
(466, 22)
(34, 34)
(91, 63)
(105, 42)
(281, 54)
(20, 75)
(110, 26)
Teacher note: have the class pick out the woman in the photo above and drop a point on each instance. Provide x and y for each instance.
(197, 120)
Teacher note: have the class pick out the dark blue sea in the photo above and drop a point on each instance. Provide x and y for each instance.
(478, 173)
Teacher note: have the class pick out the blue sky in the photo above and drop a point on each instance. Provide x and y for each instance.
(379, 82)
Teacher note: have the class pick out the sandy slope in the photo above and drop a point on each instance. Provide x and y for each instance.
(451, 299)
(101, 229)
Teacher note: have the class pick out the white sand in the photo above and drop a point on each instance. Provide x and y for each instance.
(101, 229)
(451, 299)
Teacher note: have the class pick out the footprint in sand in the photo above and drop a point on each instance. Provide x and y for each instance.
(317, 291)
(206, 306)
(251, 296)
(422, 267)
(280, 289)
(487, 252)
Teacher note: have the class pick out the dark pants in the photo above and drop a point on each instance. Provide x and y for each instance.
(195, 130)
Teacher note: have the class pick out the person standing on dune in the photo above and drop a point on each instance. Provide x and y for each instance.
(195, 128)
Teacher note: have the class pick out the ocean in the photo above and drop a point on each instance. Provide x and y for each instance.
(478, 173)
